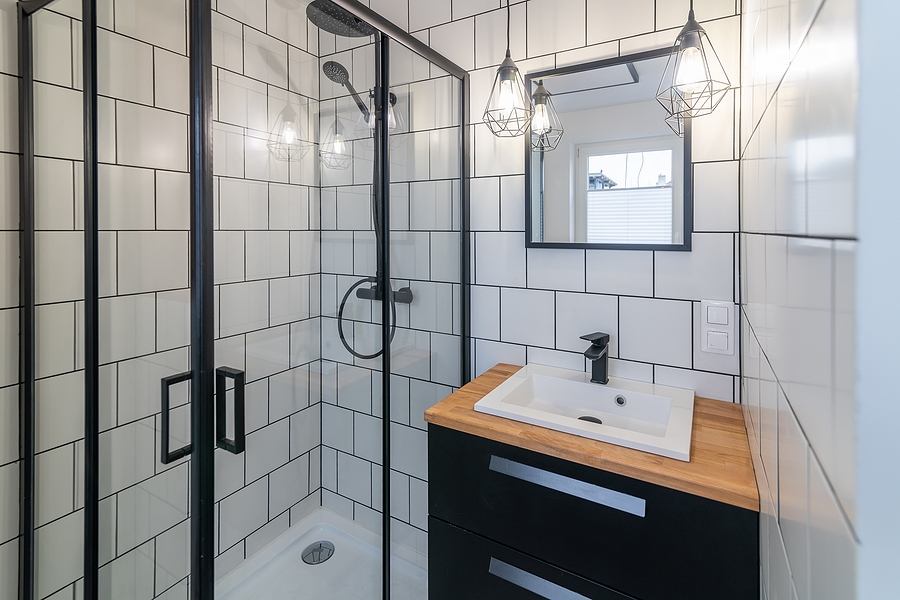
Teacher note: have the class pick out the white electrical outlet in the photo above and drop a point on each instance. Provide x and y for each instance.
(717, 327)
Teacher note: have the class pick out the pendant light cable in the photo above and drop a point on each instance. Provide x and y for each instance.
(509, 18)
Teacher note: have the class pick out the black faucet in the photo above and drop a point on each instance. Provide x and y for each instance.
(598, 353)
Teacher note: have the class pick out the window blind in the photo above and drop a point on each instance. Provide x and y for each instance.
(630, 216)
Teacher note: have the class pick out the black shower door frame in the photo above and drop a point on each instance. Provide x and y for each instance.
(202, 352)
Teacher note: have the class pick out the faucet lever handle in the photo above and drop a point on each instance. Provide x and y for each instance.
(597, 339)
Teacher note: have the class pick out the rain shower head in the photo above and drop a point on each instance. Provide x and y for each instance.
(330, 17)
(336, 72)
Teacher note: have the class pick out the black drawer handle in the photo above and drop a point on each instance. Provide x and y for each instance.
(573, 487)
(165, 456)
(235, 446)
(531, 582)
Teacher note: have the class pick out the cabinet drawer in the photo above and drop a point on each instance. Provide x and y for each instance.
(465, 566)
(648, 541)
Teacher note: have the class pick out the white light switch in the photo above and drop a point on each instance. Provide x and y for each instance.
(717, 327)
(717, 315)
(716, 340)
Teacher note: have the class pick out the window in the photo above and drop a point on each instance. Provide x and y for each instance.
(626, 192)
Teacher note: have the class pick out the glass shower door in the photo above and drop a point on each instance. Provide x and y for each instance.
(426, 218)
(144, 308)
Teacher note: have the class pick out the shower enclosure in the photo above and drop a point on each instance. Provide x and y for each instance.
(227, 216)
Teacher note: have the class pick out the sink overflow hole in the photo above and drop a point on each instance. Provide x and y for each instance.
(318, 552)
(620, 400)
(590, 419)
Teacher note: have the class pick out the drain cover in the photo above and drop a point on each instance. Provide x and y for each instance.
(318, 552)
(590, 419)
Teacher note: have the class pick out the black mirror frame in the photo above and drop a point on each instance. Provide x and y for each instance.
(688, 187)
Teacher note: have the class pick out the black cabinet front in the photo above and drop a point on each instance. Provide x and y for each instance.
(644, 540)
(470, 567)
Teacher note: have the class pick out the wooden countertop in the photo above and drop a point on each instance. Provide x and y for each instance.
(720, 467)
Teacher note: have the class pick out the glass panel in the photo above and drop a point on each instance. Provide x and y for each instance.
(293, 178)
(425, 176)
(59, 288)
(144, 319)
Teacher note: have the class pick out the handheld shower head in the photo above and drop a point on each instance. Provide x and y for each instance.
(336, 72)
(330, 17)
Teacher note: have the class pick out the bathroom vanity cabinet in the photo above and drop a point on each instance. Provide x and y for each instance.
(515, 512)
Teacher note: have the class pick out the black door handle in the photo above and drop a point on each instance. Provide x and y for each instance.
(235, 446)
(165, 456)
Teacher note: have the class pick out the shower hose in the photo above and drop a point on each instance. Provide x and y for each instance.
(390, 294)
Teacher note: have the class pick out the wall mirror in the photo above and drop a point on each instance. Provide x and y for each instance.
(620, 177)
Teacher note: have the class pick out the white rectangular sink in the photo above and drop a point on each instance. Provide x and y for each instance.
(644, 416)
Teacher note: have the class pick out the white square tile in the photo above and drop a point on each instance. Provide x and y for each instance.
(9, 120)
(445, 359)
(500, 259)
(138, 384)
(289, 207)
(59, 544)
(267, 449)
(628, 272)
(512, 203)
(131, 454)
(9, 502)
(268, 254)
(833, 551)
(52, 53)
(410, 255)
(486, 312)
(173, 195)
(59, 265)
(58, 130)
(251, 12)
(445, 256)
(9, 425)
(9, 269)
(704, 273)
(268, 352)
(485, 204)
(171, 80)
(562, 26)
(244, 307)
(9, 191)
(242, 101)
(150, 137)
(306, 430)
(793, 510)
(290, 300)
(229, 256)
(556, 358)
(367, 437)
(151, 507)
(490, 35)
(159, 22)
(8, 47)
(152, 260)
(265, 58)
(716, 196)
(227, 43)
(288, 485)
(9, 556)
(396, 12)
(306, 341)
(610, 20)
(242, 513)
(428, 14)
(173, 557)
(126, 198)
(289, 392)
(409, 450)
(337, 427)
(55, 339)
(581, 314)
(125, 68)
(305, 252)
(705, 385)
(656, 331)
(553, 269)
(527, 317)
(495, 156)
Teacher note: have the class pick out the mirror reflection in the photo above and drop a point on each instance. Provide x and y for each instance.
(617, 176)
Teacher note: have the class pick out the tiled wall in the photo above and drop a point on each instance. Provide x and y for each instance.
(267, 271)
(9, 301)
(533, 305)
(798, 255)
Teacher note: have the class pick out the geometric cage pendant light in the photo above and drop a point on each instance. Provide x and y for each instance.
(694, 82)
(546, 127)
(508, 111)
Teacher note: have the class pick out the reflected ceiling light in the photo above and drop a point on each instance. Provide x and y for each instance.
(285, 140)
(395, 121)
(336, 152)
(546, 126)
(694, 81)
(508, 112)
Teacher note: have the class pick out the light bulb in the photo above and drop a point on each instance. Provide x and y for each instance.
(288, 133)
(690, 78)
(338, 143)
(540, 124)
(507, 101)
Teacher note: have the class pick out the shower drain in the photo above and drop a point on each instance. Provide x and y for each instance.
(318, 552)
